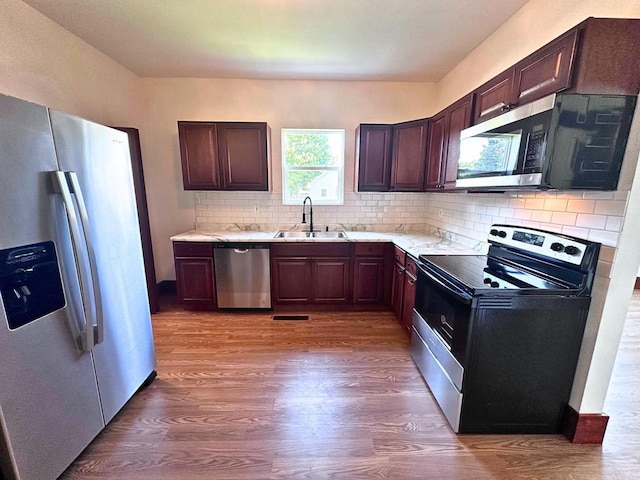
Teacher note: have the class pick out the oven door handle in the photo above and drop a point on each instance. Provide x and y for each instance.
(445, 285)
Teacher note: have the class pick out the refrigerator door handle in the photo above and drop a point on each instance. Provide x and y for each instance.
(87, 335)
(98, 324)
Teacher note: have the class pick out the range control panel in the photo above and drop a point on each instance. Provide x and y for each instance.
(560, 247)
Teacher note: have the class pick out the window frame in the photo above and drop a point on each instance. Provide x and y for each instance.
(286, 200)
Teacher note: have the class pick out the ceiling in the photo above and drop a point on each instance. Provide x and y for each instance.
(373, 40)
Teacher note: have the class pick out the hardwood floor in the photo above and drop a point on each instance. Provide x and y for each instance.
(241, 396)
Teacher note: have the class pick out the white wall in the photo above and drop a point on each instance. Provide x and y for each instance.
(283, 104)
(42, 62)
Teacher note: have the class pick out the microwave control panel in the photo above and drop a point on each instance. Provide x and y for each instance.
(535, 151)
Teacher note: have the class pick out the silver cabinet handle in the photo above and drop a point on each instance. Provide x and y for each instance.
(98, 322)
(81, 264)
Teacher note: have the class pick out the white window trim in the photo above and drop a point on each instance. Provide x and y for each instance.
(339, 169)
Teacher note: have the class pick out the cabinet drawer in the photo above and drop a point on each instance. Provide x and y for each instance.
(399, 255)
(192, 249)
(338, 249)
(410, 266)
(370, 249)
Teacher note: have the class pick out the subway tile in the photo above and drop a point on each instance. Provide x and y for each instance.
(612, 207)
(614, 224)
(604, 237)
(534, 203)
(563, 218)
(556, 204)
(576, 232)
(581, 206)
(541, 216)
(591, 221)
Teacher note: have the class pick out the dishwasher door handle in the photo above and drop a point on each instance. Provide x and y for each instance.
(240, 250)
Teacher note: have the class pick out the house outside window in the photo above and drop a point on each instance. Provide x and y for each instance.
(312, 165)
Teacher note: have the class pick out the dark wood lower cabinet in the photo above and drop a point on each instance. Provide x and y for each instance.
(397, 289)
(368, 280)
(291, 280)
(408, 301)
(330, 279)
(194, 275)
(195, 282)
(299, 280)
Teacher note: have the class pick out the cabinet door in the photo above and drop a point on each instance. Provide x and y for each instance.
(242, 148)
(408, 301)
(374, 168)
(194, 281)
(330, 279)
(546, 71)
(199, 156)
(459, 116)
(494, 97)
(409, 156)
(368, 280)
(291, 280)
(397, 289)
(437, 150)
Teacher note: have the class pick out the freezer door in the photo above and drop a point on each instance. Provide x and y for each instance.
(49, 404)
(97, 164)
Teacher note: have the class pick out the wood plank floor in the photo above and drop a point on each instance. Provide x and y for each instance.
(241, 396)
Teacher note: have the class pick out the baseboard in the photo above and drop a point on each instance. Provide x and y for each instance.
(584, 428)
(167, 287)
(637, 284)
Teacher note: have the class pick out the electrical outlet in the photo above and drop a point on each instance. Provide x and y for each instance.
(257, 207)
(440, 212)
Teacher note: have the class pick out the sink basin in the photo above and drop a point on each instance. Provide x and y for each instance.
(339, 234)
(286, 234)
(297, 234)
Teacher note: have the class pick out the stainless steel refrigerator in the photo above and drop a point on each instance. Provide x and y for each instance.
(75, 331)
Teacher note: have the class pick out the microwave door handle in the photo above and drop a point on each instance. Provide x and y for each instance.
(446, 286)
(86, 340)
(93, 265)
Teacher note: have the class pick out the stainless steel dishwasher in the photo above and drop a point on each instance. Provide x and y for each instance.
(242, 275)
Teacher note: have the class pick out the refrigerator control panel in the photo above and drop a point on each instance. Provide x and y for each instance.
(30, 283)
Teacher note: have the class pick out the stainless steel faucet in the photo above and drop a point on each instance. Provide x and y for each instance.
(304, 218)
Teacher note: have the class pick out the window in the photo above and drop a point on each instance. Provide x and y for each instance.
(312, 164)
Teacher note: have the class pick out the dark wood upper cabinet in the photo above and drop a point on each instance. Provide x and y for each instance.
(392, 157)
(224, 155)
(545, 71)
(493, 97)
(409, 153)
(444, 143)
(243, 155)
(373, 148)
(437, 150)
(199, 155)
(459, 116)
(598, 56)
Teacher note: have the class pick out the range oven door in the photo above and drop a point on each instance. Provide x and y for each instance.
(445, 308)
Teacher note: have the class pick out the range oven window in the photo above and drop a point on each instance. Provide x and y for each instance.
(444, 312)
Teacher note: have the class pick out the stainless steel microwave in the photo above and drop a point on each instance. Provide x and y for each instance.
(565, 141)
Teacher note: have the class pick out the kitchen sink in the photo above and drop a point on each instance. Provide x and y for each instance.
(297, 234)
(338, 234)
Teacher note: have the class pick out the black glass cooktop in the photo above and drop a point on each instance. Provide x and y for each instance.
(481, 272)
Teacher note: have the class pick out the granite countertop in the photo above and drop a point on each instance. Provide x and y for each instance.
(413, 243)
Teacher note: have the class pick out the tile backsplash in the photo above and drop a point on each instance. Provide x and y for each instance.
(596, 216)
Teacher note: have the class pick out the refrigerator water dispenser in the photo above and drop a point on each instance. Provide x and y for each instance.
(30, 283)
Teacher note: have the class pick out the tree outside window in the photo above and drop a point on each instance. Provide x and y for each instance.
(312, 162)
